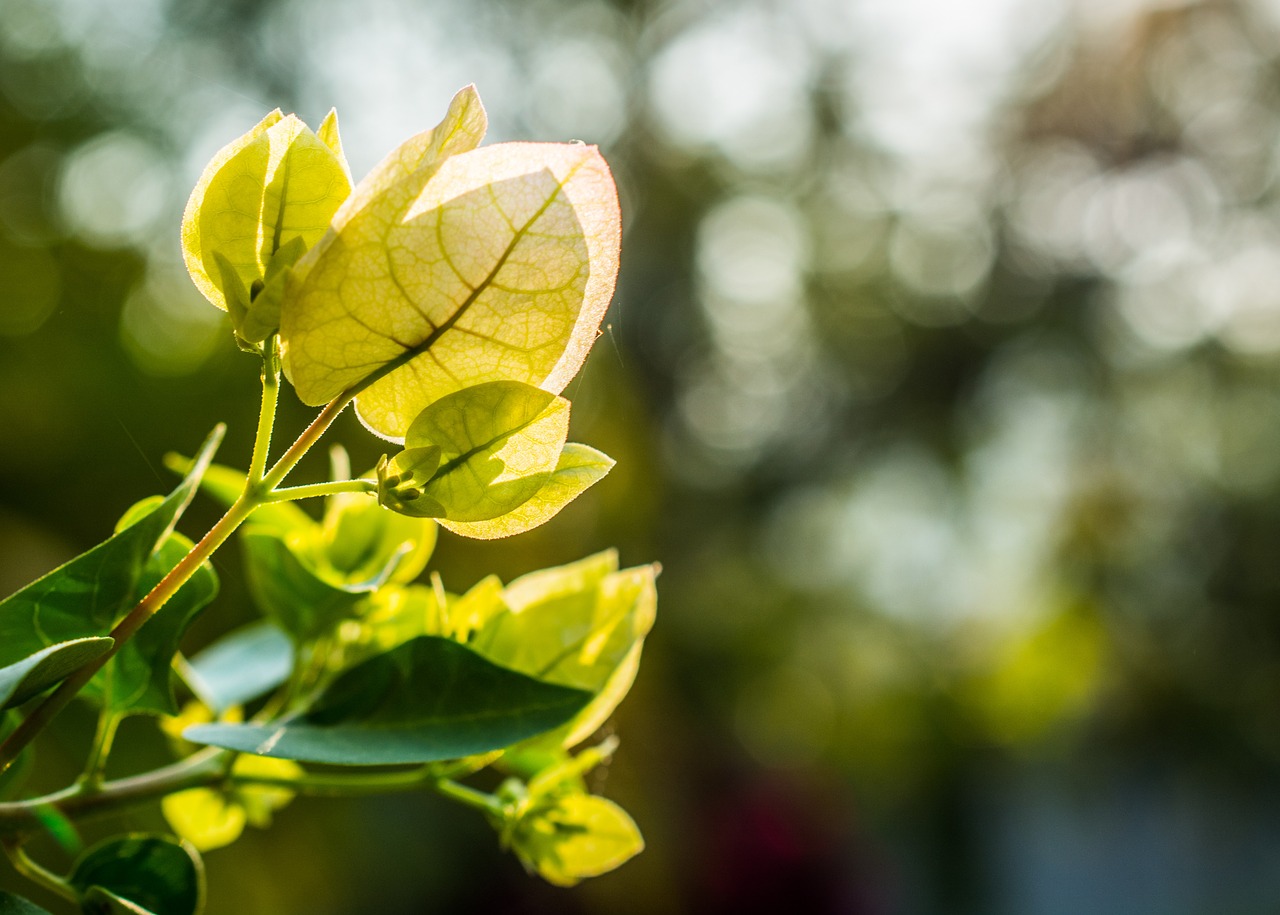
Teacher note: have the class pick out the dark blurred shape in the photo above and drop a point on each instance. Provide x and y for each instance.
(776, 844)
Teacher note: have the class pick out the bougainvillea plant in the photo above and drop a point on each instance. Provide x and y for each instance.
(449, 297)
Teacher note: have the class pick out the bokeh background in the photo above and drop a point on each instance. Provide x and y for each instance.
(944, 380)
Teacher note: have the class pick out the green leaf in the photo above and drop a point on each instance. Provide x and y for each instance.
(16, 905)
(494, 264)
(86, 596)
(154, 873)
(32, 675)
(314, 577)
(299, 601)
(139, 678)
(578, 468)
(262, 317)
(468, 613)
(309, 576)
(427, 700)
(210, 819)
(206, 818)
(359, 541)
(575, 836)
(581, 625)
(278, 182)
(493, 446)
(394, 615)
(241, 666)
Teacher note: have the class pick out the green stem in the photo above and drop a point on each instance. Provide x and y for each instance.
(37, 874)
(103, 737)
(459, 792)
(267, 412)
(204, 769)
(309, 437)
(210, 769)
(293, 493)
(340, 785)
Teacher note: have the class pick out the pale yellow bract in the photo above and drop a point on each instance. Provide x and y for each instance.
(278, 182)
(451, 266)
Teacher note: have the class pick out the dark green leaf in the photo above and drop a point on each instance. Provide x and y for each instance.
(16, 905)
(243, 665)
(305, 605)
(20, 681)
(139, 678)
(156, 873)
(85, 596)
(427, 700)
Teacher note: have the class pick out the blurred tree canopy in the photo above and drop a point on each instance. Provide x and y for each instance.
(944, 380)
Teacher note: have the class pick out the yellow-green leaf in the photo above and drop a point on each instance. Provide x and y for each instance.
(574, 837)
(578, 468)
(262, 316)
(394, 615)
(206, 818)
(209, 818)
(493, 264)
(397, 180)
(580, 625)
(468, 613)
(277, 182)
(360, 541)
(462, 129)
(478, 453)
(248, 153)
(260, 802)
(328, 134)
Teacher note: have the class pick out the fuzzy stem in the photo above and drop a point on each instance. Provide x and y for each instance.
(309, 437)
(293, 493)
(267, 412)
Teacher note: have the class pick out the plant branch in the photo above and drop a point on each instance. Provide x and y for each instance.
(209, 769)
(201, 770)
(293, 493)
(309, 437)
(36, 874)
(267, 412)
(45, 712)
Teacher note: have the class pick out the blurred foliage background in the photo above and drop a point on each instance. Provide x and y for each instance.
(944, 379)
